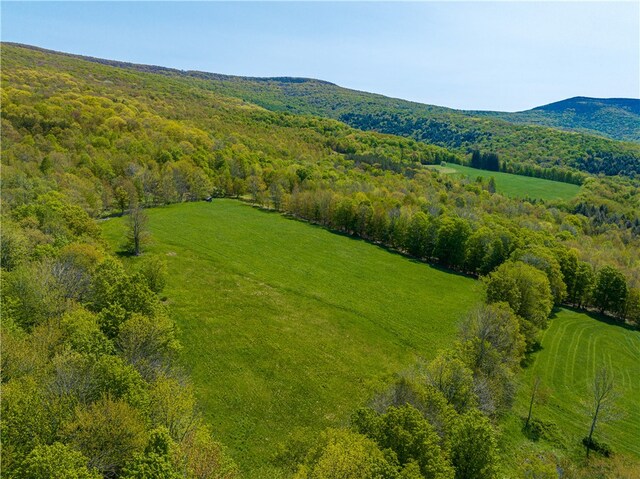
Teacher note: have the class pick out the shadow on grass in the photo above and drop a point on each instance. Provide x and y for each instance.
(122, 253)
(603, 318)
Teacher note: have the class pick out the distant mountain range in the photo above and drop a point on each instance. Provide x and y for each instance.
(527, 142)
(617, 118)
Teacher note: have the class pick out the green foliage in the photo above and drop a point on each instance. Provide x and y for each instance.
(148, 343)
(613, 118)
(538, 429)
(108, 432)
(544, 260)
(33, 294)
(632, 306)
(81, 331)
(28, 420)
(342, 454)
(154, 270)
(526, 290)
(114, 290)
(492, 346)
(156, 460)
(473, 447)
(88, 349)
(13, 246)
(610, 290)
(409, 435)
(454, 379)
(534, 465)
(200, 457)
(172, 406)
(451, 242)
(427, 399)
(149, 466)
(56, 461)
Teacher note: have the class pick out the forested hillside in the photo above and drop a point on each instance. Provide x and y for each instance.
(617, 118)
(91, 385)
(529, 150)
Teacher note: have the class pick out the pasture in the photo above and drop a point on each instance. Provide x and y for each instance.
(515, 186)
(573, 348)
(286, 325)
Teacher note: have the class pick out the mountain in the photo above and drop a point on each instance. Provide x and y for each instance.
(617, 118)
(523, 149)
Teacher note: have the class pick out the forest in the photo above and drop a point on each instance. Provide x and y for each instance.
(93, 384)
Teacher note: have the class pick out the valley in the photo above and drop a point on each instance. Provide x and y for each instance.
(211, 276)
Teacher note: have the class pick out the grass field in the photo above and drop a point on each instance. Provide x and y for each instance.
(516, 186)
(573, 347)
(287, 325)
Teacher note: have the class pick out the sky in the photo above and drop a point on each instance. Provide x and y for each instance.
(507, 56)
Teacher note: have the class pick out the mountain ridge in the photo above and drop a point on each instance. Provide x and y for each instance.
(615, 118)
(531, 150)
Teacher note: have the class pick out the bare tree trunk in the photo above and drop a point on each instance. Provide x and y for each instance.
(533, 398)
(137, 233)
(603, 395)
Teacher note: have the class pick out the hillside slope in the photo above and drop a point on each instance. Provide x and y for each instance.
(617, 118)
(286, 325)
(520, 146)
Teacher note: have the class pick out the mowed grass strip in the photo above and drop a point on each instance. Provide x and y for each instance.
(516, 186)
(285, 324)
(573, 348)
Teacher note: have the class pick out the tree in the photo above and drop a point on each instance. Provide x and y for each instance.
(543, 259)
(451, 240)
(409, 435)
(454, 380)
(602, 402)
(56, 460)
(172, 405)
(276, 191)
(108, 432)
(580, 291)
(490, 161)
(420, 236)
(610, 290)
(476, 159)
(200, 457)
(491, 186)
(137, 229)
(148, 343)
(473, 447)
(155, 462)
(526, 290)
(632, 306)
(343, 454)
(154, 270)
(256, 186)
(493, 326)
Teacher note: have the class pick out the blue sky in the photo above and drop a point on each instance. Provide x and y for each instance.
(482, 55)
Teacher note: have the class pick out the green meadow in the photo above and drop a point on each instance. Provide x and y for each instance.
(286, 325)
(515, 186)
(573, 347)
